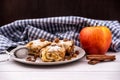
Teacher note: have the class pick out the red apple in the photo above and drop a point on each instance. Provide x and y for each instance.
(95, 40)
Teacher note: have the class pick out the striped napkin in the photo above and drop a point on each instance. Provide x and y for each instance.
(22, 31)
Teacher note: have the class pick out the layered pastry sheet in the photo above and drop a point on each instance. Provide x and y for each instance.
(52, 53)
(47, 51)
(36, 45)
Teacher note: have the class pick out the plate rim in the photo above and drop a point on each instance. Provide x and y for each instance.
(80, 55)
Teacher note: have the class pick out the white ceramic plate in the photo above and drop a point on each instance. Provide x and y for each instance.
(39, 62)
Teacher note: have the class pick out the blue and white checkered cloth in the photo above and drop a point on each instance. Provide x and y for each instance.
(22, 31)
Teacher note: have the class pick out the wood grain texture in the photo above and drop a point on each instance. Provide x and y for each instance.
(59, 75)
(12, 70)
(11, 10)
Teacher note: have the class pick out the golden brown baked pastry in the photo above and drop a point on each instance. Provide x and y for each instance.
(52, 53)
(68, 44)
(36, 45)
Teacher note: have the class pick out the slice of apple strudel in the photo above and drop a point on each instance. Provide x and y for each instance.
(52, 53)
(68, 44)
(36, 45)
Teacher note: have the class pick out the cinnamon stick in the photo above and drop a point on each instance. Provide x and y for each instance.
(94, 59)
(100, 57)
(93, 62)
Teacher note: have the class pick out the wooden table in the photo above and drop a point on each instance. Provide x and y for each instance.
(79, 70)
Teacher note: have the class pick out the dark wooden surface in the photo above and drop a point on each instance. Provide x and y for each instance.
(11, 10)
